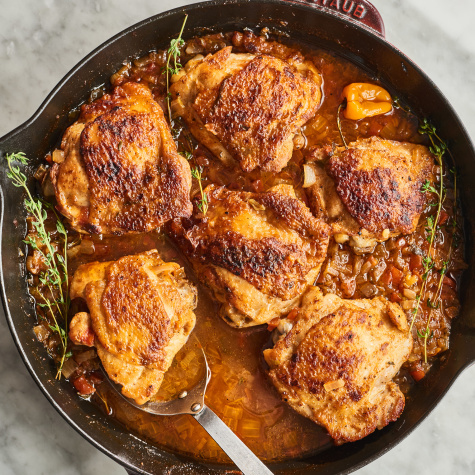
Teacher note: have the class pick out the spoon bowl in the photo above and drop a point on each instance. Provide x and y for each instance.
(192, 402)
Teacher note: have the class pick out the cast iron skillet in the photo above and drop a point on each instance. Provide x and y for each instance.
(314, 24)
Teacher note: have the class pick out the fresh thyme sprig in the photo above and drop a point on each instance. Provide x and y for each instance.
(397, 103)
(438, 148)
(173, 65)
(427, 334)
(338, 123)
(55, 278)
(196, 172)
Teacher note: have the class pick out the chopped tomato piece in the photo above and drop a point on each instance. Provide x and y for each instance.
(83, 386)
(443, 217)
(397, 276)
(373, 260)
(448, 293)
(417, 375)
(293, 314)
(273, 324)
(449, 282)
(395, 297)
(387, 278)
(415, 262)
(96, 377)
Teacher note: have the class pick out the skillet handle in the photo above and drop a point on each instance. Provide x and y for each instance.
(360, 12)
(236, 450)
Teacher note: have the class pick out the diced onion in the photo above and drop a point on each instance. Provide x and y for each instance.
(341, 238)
(256, 205)
(332, 385)
(319, 124)
(369, 264)
(309, 176)
(232, 412)
(41, 332)
(47, 186)
(165, 267)
(379, 270)
(231, 423)
(144, 61)
(330, 270)
(33, 264)
(291, 439)
(409, 294)
(284, 327)
(194, 61)
(73, 251)
(408, 304)
(58, 156)
(251, 428)
(299, 141)
(201, 444)
(84, 356)
(68, 368)
(87, 247)
(185, 362)
(182, 424)
(40, 172)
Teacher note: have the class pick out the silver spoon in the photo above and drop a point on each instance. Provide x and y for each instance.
(192, 402)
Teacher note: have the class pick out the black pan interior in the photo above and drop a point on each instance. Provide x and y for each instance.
(303, 24)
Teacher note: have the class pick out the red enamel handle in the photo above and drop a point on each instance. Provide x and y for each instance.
(360, 12)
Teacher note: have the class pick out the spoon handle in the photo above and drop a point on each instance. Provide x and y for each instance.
(236, 450)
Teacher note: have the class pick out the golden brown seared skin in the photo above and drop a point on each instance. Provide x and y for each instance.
(372, 190)
(258, 252)
(140, 315)
(336, 365)
(247, 108)
(121, 170)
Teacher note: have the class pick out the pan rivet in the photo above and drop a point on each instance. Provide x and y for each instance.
(182, 395)
(196, 407)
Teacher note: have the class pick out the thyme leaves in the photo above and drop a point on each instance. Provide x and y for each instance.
(196, 173)
(53, 278)
(173, 65)
(438, 148)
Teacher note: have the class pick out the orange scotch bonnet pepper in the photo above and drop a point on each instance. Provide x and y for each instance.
(366, 100)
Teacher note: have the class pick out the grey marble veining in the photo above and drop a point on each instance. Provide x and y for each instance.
(40, 40)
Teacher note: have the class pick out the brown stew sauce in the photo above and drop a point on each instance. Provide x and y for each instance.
(239, 391)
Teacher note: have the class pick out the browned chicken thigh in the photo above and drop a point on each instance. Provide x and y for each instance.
(372, 190)
(121, 171)
(247, 108)
(258, 252)
(336, 364)
(140, 315)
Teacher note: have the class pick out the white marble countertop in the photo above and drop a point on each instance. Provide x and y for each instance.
(40, 40)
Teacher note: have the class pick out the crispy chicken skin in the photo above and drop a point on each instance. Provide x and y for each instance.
(121, 170)
(372, 190)
(336, 365)
(247, 108)
(258, 252)
(140, 315)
